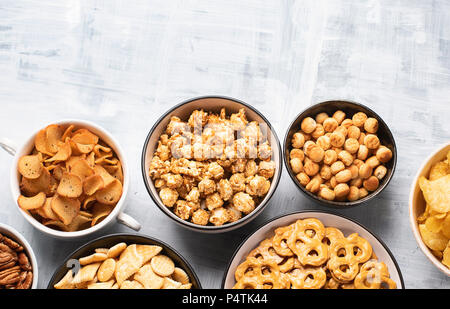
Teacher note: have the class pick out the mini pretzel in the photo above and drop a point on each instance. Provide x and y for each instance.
(308, 278)
(346, 254)
(282, 234)
(374, 275)
(266, 251)
(257, 274)
(306, 242)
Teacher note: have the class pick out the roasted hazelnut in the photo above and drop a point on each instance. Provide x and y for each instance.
(384, 154)
(337, 139)
(372, 141)
(358, 162)
(357, 182)
(333, 182)
(341, 190)
(345, 157)
(343, 176)
(329, 157)
(353, 193)
(296, 165)
(298, 140)
(318, 131)
(324, 142)
(380, 172)
(353, 132)
(320, 118)
(316, 154)
(365, 171)
(363, 152)
(325, 172)
(337, 166)
(351, 145)
(371, 125)
(339, 116)
(372, 162)
(303, 178)
(359, 119)
(330, 124)
(308, 125)
(371, 183)
(327, 193)
(297, 153)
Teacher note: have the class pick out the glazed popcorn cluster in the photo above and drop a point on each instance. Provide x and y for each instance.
(339, 158)
(212, 169)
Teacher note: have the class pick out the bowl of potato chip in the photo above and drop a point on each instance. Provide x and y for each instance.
(125, 261)
(340, 153)
(312, 250)
(429, 208)
(71, 179)
(211, 163)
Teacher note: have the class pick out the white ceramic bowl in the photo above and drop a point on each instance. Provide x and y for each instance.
(417, 203)
(17, 237)
(347, 226)
(116, 214)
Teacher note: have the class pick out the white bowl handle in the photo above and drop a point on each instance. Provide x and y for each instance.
(128, 221)
(8, 146)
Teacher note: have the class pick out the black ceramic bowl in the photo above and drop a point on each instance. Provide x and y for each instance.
(111, 240)
(208, 104)
(350, 108)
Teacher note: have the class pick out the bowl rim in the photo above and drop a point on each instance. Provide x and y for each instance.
(336, 204)
(116, 235)
(22, 241)
(412, 221)
(118, 208)
(227, 269)
(228, 226)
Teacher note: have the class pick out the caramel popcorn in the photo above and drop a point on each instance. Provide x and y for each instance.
(213, 168)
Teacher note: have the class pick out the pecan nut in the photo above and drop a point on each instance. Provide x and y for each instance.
(10, 275)
(12, 244)
(26, 282)
(24, 262)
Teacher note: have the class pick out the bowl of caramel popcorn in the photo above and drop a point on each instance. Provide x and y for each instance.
(340, 153)
(211, 163)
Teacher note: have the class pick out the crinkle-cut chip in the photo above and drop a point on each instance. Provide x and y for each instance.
(110, 194)
(115, 171)
(79, 223)
(446, 226)
(34, 186)
(67, 132)
(170, 284)
(30, 166)
(92, 184)
(116, 250)
(131, 285)
(41, 143)
(434, 224)
(180, 275)
(148, 278)
(86, 273)
(186, 286)
(54, 134)
(89, 202)
(100, 212)
(85, 137)
(93, 258)
(70, 186)
(162, 265)
(148, 251)
(82, 169)
(90, 159)
(66, 281)
(438, 170)
(47, 210)
(106, 270)
(101, 285)
(102, 250)
(436, 193)
(129, 263)
(66, 209)
(64, 153)
(446, 256)
(107, 178)
(434, 241)
(98, 149)
(33, 202)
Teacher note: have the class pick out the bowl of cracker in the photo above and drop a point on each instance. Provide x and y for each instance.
(312, 250)
(429, 208)
(125, 261)
(340, 153)
(211, 164)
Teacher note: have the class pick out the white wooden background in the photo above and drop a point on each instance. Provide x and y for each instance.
(123, 63)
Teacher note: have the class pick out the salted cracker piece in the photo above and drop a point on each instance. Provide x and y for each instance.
(33, 202)
(86, 273)
(93, 258)
(129, 263)
(148, 252)
(116, 250)
(147, 277)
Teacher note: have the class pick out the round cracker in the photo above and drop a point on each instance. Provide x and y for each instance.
(110, 194)
(162, 265)
(33, 202)
(147, 277)
(30, 166)
(70, 186)
(180, 275)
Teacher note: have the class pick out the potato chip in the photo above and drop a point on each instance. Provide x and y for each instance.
(33, 202)
(116, 250)
(148, 251)
(180, 275)
(64, 152)
(98, 149)
(148, 278)
(90, 159)
(131, 285)
(434, 241)
(78, 223)
(70, 186)
(106, 270)
(80, 149)
(86, 273)
(93, 258)
(445, 229)
(115, 171)
(434, 224)
(40, 142)
(47, 210)
(446, 256)
(66, 209)
(82, 169)
(100, 212)
(30, 167)
(85, 137)
(436, 193)
(35, 186)
(107, 178)
(92, 184)
(129, 263)
(53, 133)
(438, 170)
(66, 281)
(101, 285)
(67, 133)
(162, 265)
(170, 284)
(110, 194)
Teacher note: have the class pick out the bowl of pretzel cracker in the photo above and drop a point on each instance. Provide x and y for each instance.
(312, 250)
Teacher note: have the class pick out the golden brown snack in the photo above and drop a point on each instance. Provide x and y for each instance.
(15, 268)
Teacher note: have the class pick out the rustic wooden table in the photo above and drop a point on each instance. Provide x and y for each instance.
(122, 64)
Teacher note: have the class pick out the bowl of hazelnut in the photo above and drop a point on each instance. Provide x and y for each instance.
(340, 153)
(211, 163)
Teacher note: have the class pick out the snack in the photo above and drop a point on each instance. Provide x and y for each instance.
(15, 267)
(71, 180)
(434, 222)
(213, 168)
(125, 266)
(308, 255)
(338, 158)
